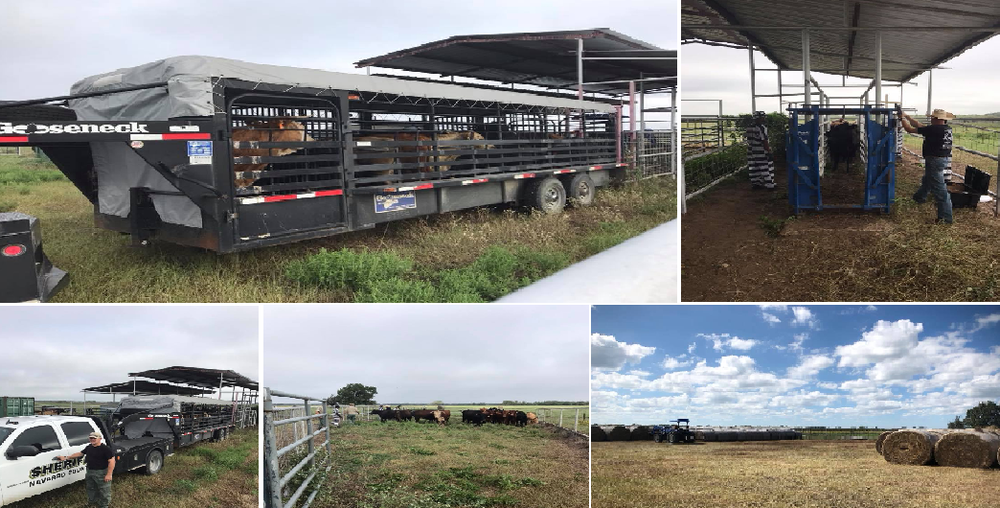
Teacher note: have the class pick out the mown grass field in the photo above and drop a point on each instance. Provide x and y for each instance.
(409, 465)
(469, 256)
(222, 475)
(805, 474)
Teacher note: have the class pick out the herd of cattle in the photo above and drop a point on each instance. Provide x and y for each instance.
(474, 416)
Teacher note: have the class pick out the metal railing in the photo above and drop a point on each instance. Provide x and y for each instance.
(651, 152)
(275, 482)
(562, 416)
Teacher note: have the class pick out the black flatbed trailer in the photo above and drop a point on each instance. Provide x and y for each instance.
(374, 150)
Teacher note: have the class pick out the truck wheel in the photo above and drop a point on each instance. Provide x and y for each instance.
(547, 195)
(657, 438)
(154, 462)
(580, 190)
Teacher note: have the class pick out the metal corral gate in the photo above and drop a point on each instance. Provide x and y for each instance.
(805, 156)
(555, 416)
(274, 484)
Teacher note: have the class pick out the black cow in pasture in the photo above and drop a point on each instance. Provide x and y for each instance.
(521, 419)
(423, 414)
(385, 414)
(842, 142)
(474, 417)
(403, 415)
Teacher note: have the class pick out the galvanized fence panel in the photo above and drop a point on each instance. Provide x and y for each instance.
(575, 418)
(651, 153)
(714, 148)
(276, 478)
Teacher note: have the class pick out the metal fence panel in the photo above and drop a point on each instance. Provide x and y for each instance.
(300, 420)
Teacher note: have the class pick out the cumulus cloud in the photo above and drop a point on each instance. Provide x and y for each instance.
(671, 363)
(716, 338)
(871, 308)
(986, 321)
(809, 366)
(722, 340)
(770, 318)
(741, 344)
(804, 317)
(885, 341)
(692, 347)
(796, 344)
(774, 306)
(607, 353)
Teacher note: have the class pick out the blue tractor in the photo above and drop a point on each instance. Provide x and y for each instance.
(678, 431)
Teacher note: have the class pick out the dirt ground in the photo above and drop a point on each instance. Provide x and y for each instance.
(814, 474)
(740, 244)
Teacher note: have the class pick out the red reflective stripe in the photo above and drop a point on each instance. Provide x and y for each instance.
(337, 192)
(424, 186)
(194, 135)
(286, 197)
(13, 139)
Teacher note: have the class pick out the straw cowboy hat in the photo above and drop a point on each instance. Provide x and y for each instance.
(942, 114)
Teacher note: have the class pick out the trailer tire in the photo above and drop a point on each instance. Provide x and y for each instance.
(154, 462)
(547, 195)
(580, 190)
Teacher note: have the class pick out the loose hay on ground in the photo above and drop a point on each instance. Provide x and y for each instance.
(967, 448)
(911, 446)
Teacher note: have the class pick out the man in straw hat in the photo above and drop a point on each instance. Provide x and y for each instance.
(937, 157)
(760, 162)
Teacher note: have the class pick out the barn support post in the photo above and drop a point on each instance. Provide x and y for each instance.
(220, 385)
(631, 122)
(753, 82)
(673, 131)
(930, 87)
(618, 133)
(878, 69)
(579, 68)
(722, 136)
(642, 123)
(781, 92)
(806, 76)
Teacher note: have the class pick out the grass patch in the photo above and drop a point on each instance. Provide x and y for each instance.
(773, 227)
(26, 171)
(462, 471)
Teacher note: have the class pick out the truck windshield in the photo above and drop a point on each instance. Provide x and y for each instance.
(4, 432)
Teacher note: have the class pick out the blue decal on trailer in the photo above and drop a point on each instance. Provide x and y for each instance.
(196, 148)
(395, 201)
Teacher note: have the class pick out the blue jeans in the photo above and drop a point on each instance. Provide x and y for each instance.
(933, 182)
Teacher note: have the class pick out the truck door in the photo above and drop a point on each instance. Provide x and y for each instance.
(24, 477)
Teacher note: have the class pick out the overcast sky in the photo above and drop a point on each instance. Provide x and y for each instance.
(51, 352)
(421, 353)
(723, 73)
(50, 44)
(833, 365)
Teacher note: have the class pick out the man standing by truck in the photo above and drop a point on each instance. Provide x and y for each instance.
(100, 464)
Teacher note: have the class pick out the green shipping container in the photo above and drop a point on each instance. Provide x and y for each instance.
(17, 406)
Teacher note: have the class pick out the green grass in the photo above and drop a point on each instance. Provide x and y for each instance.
(375, 465)
(220, 475)
(26, 170)
(468, 256)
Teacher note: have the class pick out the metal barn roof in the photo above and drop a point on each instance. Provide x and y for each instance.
(207, 378)
(141, 387)
(908, 47)
(545, 59)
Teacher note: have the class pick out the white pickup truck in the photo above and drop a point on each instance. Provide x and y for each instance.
(28, 449)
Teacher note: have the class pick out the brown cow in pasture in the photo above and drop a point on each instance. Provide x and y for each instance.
(532, 418)
(282, 129)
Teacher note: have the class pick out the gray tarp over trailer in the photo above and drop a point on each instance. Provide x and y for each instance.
(191, 85)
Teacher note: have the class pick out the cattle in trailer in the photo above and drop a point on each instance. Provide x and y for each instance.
(284, 130)
(842, 141)
(363, 147)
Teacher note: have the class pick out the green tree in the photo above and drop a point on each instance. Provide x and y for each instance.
(354, 393)
(957, 424)
(984, 415)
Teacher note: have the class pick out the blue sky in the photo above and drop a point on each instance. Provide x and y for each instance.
(834, 365)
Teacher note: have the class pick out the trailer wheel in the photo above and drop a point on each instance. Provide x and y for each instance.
(547, 195)
(580, 190)
(154, 462)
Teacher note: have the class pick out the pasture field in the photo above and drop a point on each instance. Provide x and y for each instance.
(548, 414)
(805, 474)
(745, 245)
(411, 465)
(469, 256)
(222, 475)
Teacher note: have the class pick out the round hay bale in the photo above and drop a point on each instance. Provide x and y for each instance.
(726, 435)
(967, 448)
(619, 433)
(880, 440)
(597, 434)
(710, 436)
(766, 435)
(641, 433)
(910, 446)
(742, 435)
